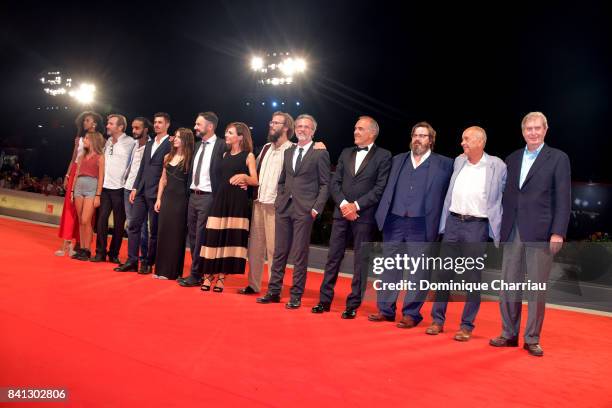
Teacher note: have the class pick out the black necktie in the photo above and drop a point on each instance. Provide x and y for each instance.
(299, 159)
(199, 165)
(358, 149)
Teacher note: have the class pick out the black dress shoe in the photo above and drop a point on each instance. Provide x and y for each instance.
(78, 253)
(147, 270)
(349, 314)
(190, 281)
(501, 341)
(293, 304)
(247, 291)
(98, 258)
(114, 259)
(127, 267)
(83, 255)
(534, 349)
(268, 298)
(320, 308)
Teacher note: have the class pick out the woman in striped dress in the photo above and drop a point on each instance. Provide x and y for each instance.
(227, 230)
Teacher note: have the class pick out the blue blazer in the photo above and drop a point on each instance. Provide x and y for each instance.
(494, 187)
(542, 206)
(438, 177)
(150, 171)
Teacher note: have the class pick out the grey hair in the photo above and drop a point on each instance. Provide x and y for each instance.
(373, 124)
(309, 117)
(533, 115)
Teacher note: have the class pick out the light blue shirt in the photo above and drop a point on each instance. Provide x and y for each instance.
(528, 160)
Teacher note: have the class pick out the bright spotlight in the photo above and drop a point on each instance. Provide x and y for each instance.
(300, 65)
(274, 104)
(256, 63)
(85, 93)
(297, 103)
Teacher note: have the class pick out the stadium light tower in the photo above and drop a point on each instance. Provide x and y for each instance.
(278, 68)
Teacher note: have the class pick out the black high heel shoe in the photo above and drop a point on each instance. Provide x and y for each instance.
(219, 289)
(205, 287)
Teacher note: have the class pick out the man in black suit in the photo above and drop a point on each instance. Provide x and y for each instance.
(536, 211)
(204, 181)
(302, 193)
(356, 187)
(409, 216)
(144, 195)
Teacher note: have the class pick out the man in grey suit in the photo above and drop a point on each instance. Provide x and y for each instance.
(536, 212)
(471, 214)
(302, 193)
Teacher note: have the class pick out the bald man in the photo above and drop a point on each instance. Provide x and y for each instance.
(471, 215)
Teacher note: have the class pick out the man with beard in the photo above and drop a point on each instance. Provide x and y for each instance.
(409, 212)
(204, 181)
(144, 194)
(302, 194)
(269, 167)
(140, 132)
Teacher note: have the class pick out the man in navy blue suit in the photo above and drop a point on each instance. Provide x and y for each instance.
(536, 210)
(409, 212)
(144, 195)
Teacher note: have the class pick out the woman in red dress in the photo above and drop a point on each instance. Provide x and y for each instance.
(69, 224)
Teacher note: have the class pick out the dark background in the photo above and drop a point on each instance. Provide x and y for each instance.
(454, 66)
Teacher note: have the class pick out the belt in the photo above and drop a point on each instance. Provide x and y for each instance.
(199, 192)
(469, 218)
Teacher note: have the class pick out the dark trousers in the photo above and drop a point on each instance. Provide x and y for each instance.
(461, 239)
(142, 208)
(144, 236)
(197, 215)
(534, 261)
(403, 236)
(342, 229)
(110, 200)
(291, 231)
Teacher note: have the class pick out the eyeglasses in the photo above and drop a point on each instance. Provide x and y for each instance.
(275, 123)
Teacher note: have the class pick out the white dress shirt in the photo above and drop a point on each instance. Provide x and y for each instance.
(116, 157)
(297, 152)
(270, 171)
(156, 145)
(132, 172)
(204, 183)
(359, 158)
(469, 195)
(423, 158)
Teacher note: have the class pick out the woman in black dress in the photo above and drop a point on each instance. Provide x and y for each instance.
(227, 228)
(171, 205)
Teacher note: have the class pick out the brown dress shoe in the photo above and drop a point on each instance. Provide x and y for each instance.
(406, 323)
(379, 317)
(534, 349)
(463, 335)
(434, 329)
(501, 341)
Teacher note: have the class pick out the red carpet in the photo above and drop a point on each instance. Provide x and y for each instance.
(125, 340)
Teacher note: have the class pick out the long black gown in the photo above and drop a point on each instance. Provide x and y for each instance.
(172, 224)
(227, 227)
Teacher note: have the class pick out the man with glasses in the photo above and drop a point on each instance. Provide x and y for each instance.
(302, 194)
(409, 216)
(269, 167)
(116, 158)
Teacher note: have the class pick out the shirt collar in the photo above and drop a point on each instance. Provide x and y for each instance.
(425, 156)
(212, 139)
(368, 146)
(305, 147)
(161, 140)
(535, 152)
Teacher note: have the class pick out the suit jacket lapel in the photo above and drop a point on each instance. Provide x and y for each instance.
(304, 158)
(539, 161)
(433, 166)
(159, 148)
(365, 161)
(351, 162)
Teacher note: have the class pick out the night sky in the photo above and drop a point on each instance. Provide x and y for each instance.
(454, 66)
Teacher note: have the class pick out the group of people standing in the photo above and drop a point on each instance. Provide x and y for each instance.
(199, 190)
